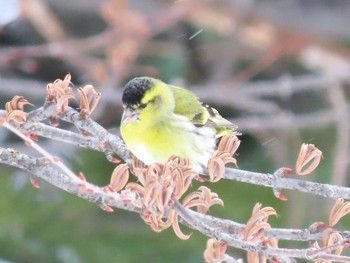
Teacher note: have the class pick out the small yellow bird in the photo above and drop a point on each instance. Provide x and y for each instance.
(161, 120)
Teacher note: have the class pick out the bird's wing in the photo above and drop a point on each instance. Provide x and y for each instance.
(220, 124)
(188, 105)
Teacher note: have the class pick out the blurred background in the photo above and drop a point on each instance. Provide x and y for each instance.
(280, 70)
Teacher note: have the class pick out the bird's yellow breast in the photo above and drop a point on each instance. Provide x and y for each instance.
(156, 143)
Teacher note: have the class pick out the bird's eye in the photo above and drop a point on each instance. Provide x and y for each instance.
(143, 105)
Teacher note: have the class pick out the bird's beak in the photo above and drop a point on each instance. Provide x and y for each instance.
(130, 115)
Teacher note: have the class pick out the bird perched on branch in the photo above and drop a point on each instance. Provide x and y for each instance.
(161, 120)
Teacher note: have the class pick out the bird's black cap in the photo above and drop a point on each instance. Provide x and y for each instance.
(135, 89)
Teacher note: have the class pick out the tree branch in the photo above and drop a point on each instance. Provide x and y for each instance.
(91, 135)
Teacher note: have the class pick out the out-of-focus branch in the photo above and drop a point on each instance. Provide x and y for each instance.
(43, 19)
(40, 167)
(281, 121)
(340, 107)
(246, 97)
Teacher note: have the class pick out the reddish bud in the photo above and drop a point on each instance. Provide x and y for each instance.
(282, 197)
(287, 170)
(35, 183)
(89, 190)
(86, 134)
(34, 137)
(55, 159)
(54, 122)
(51, 97)
(200, 179)
(112, 199)
(115, 160)
(224, 245)
(311, 252)
(265, 242)
(108, 209)
(320, 224)
(2, 120)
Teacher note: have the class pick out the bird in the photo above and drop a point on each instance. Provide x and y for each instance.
(162, 120)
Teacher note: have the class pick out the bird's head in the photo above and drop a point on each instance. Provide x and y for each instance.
(146, 99)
